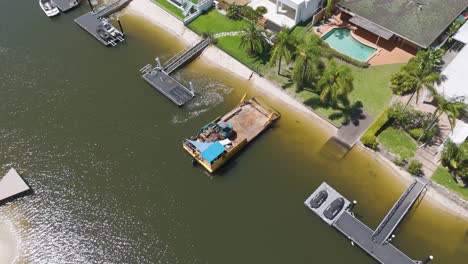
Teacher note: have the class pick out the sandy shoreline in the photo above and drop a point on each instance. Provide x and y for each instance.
(432, 195)
(8, 245)
(159, 17)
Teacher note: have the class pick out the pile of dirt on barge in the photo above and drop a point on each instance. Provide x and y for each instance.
(219, 140)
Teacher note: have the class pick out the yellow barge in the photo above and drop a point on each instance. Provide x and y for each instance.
(221, 139)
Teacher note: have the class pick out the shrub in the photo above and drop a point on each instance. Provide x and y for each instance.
(415, 167)
(409, 118)
(369, 139)
(401, 83)
(399, 161)
(416, 132)
(234, 12)
(261, 10)
(250, 14)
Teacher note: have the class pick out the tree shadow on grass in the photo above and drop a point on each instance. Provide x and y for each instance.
(350, 113)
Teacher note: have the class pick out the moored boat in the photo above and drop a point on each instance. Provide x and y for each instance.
(221, 139)
(49, 8)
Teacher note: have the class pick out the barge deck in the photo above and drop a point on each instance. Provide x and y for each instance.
(219, 140)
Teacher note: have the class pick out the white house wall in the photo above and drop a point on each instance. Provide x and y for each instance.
(308, 8)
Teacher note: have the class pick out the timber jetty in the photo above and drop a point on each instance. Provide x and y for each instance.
(95, 23)
(159, 76)
(12, 186)
(336, 211)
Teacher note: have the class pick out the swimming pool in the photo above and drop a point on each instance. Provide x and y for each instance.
(341, 40)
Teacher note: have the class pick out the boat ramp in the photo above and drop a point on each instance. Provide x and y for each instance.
(221, 139)
(324, 202)
(11, 186)
(95, 23)
(65, 5)
(159, 76)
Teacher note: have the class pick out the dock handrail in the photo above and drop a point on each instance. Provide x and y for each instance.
(177, 61)
(393, 210)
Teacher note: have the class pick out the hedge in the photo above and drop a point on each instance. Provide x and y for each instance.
(370, 137)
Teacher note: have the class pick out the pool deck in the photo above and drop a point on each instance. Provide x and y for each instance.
(389, 52)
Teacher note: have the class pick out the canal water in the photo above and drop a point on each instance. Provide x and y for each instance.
(102, 151)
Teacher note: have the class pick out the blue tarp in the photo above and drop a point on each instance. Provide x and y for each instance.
(213, 151)
(201, 146)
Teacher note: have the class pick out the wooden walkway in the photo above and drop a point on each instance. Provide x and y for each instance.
(94, 21)
(375, 243)
(398, 211)
(159, 76)
(168, 86)
(180, 59)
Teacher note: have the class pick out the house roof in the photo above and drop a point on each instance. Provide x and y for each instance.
(374, 28)
(455, 79)
(419, 21)
(462, 34)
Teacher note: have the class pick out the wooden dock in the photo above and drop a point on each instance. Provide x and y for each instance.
(159, 76)
(12, 185)
(375, 243)
(65, 5)
(94, 21)
(168, 86)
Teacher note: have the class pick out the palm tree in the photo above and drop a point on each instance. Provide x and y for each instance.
(453, 110)
(308, 54)
(284, 48)
(336, 83)
(330, 5)
(252, 37)
(431, 59)
(420, 80)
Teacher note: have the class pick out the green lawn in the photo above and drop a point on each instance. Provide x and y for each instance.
(214, 22)
(443, 177)
(231, 45)
(170, 7)
(397, 142)
(371, 87)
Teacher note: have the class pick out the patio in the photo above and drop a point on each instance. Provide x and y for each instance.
(282, 15)
(389, 51)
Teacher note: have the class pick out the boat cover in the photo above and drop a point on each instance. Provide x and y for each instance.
(213, 151)
(201, 146)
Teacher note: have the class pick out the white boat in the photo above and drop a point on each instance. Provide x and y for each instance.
(49, 8)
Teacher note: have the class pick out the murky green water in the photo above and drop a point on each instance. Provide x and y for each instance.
(112, 184)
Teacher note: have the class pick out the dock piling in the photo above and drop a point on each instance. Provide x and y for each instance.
(90, 5)
(191, 88)
(120, 26)
(427, 260)
(158, 63)
(351, 205)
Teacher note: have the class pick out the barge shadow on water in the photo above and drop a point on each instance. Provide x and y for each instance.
(221, 139)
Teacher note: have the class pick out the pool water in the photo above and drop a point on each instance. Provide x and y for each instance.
(341, 40)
